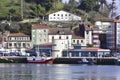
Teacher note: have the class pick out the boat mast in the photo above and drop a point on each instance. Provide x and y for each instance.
(37, 50)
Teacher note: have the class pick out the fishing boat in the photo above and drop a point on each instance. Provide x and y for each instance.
(85, 61)
(40, 60)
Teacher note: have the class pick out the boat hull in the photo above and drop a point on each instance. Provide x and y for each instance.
(88, 63)
(40, 61)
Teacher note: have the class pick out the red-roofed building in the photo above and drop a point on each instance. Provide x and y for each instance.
(18, 40)
(39, 34)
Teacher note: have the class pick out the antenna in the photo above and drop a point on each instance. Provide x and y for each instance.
(112, 14)
(22, 9)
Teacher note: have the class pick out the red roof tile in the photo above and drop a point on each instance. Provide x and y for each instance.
(118, 21)
(17, 34)
(60, 31)
(92, 48)
(74, 36)
(45, 44)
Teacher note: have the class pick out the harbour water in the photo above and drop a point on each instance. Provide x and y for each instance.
(58, 72)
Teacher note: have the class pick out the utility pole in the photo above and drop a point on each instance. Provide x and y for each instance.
(22, 8)
(112, 14)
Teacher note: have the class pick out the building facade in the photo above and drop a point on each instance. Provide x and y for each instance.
(103, 23)
(18, 41)
(39, 34)
(61, 39)
(62, 16)
(113, 35)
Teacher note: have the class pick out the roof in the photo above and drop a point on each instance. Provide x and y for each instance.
(94, 48)
(46, 44)
(118, 21)
(17, 34)
(103, 19)
(65, 12)
(74, 36)
(59, 31)
(39, 26)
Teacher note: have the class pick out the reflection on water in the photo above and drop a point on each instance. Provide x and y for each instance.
(58, 72)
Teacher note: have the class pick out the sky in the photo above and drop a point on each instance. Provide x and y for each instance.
(117, 3)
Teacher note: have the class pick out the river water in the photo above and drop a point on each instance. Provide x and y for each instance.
(58, 72)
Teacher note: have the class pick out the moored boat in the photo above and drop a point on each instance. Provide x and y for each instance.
(40, 60)
(85, 61)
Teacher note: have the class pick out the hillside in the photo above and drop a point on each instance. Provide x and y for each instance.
(31, 8)
(6, 5)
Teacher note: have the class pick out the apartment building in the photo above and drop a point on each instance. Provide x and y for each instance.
(39, 34)
(18, 41)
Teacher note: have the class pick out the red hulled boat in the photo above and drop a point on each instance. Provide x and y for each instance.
(40, 60)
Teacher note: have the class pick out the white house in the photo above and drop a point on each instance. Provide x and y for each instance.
(61, 39)
(18, 41)
(62, 16)
(103, 23)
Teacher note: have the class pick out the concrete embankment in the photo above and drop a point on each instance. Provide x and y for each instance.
(98, 61)
(13, 59)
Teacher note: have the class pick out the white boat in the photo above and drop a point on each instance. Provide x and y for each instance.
(85, 61)
(40, 60)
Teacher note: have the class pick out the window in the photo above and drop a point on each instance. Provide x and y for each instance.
(74, 41)
(87, 32)
(15, 44)
(65, 14)
(10, 44)
(67, 37)
(81, 41)
(54, 14)
(59, 37)
(52, 37)
(9, 38)
(58, 14)
(44, 30)
(77, 41)
(19, 44)
(24, 45)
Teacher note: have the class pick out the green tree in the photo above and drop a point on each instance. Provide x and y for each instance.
(11, 13)
(87, 5)
(70, 6)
